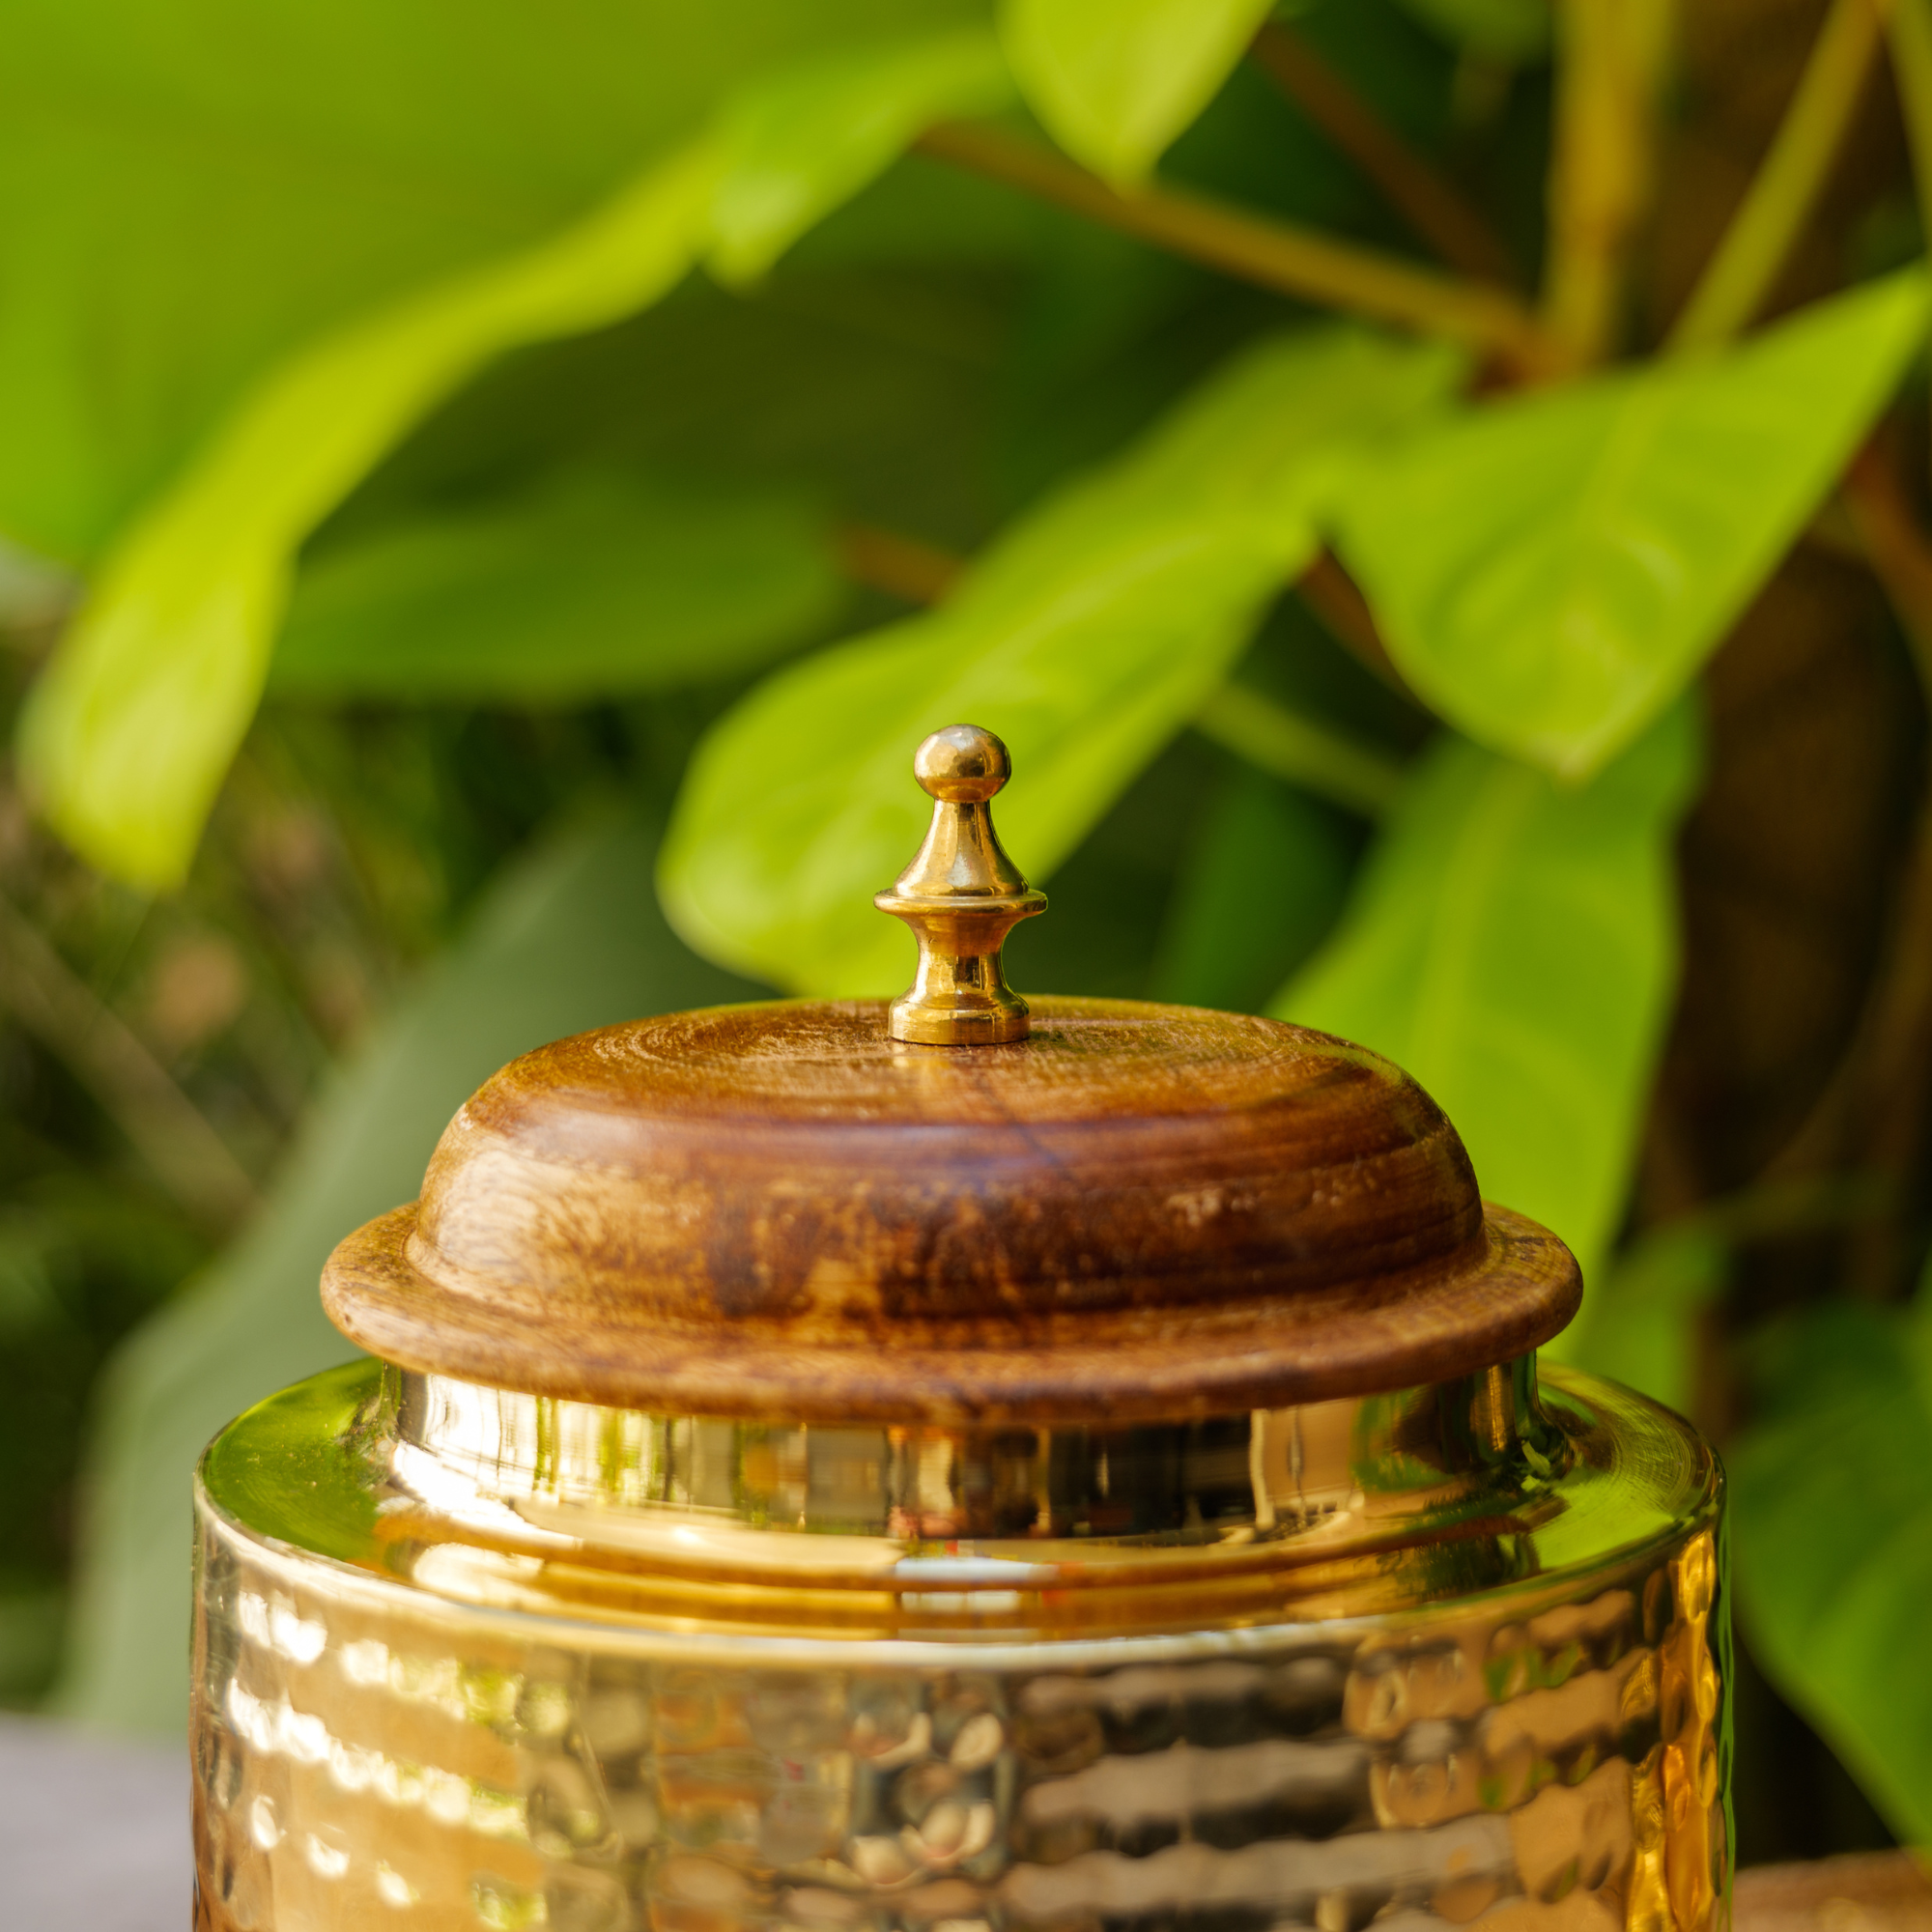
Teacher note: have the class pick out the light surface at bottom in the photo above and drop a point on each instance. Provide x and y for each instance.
(1545, 1754)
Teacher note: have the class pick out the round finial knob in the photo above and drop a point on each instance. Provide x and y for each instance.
(960, 895)
(964, 764)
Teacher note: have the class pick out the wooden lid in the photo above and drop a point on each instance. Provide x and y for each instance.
(778, 1210)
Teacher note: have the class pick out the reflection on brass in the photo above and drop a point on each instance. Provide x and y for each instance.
(786, 1504)
(819, 1484)
(961, 895)
(1444, 1657)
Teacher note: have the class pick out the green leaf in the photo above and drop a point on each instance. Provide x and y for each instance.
(570, 939)
(1513, 943)
(128, 736)
(1116, 81)
(595, 585)
(1509, 31)
(1551, 570)
(1638, 1324)
(1832, 1500)
(187, 198)
(129, 731)
(807, 141)
(792, 387)
(1085, 637)
(1262, 884)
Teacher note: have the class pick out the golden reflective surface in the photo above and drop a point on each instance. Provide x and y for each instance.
(961, 895)
(1450, 1656)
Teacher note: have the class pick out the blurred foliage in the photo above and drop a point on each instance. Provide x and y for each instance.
(550, 950)
(1549, 571)
(1434, 583)
(1097, 623)
(1512, 941)
(1835, 1530)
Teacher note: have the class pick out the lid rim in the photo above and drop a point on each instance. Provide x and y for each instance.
(1428, 1325)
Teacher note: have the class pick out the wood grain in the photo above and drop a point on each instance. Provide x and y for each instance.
(774, 1210)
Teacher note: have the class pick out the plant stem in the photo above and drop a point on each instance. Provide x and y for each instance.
(1612, 60)
(1740, 275)
(1897, 550)
(1332, 594)
(1872, 1113)
(1908, 37)
(167, 1130)
(1289, 746)
(1763, 1210)
(1432, 208)
(1281, 742)
(1273, 254)
(908, 568)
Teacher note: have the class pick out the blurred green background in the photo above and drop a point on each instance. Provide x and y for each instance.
(1433, 491)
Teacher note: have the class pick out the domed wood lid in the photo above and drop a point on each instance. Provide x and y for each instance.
(781, 1210)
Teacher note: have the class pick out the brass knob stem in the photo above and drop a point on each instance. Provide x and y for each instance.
(961, 895)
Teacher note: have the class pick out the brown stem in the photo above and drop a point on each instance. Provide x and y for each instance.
(918, 572)
(1784, 192)
(1872, 1115)
(1892, 1128)
(1870, 1118)
(1899, 1077)
(1332, 594)
(1432, 208)
(1612, 59)
(1908, 28)
(1273, 254)
(1900, 553)
(922, 573)
(166, 1127)
(908, 568)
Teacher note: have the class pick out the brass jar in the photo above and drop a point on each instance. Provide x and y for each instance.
(831, 1468)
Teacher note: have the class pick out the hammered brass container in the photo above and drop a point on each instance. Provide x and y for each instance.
(1085, 1470)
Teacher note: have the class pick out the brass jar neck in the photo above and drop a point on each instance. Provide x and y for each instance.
(1267, 1474)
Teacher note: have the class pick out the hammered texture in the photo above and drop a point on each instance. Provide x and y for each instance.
(1511, 1764)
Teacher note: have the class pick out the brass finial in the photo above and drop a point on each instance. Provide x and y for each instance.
(961, 895)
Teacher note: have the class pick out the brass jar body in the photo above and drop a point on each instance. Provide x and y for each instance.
(1451, 1655)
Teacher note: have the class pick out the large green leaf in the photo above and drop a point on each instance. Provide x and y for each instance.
(129, 731)
(571, 939)
(1550, 571)
(1085, 637)
(807, 141)
(128, 734)
(1831, 1490)
(792, 386)
(595, 585)
(190, 193)
(1116, 81)
(1513, 943)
